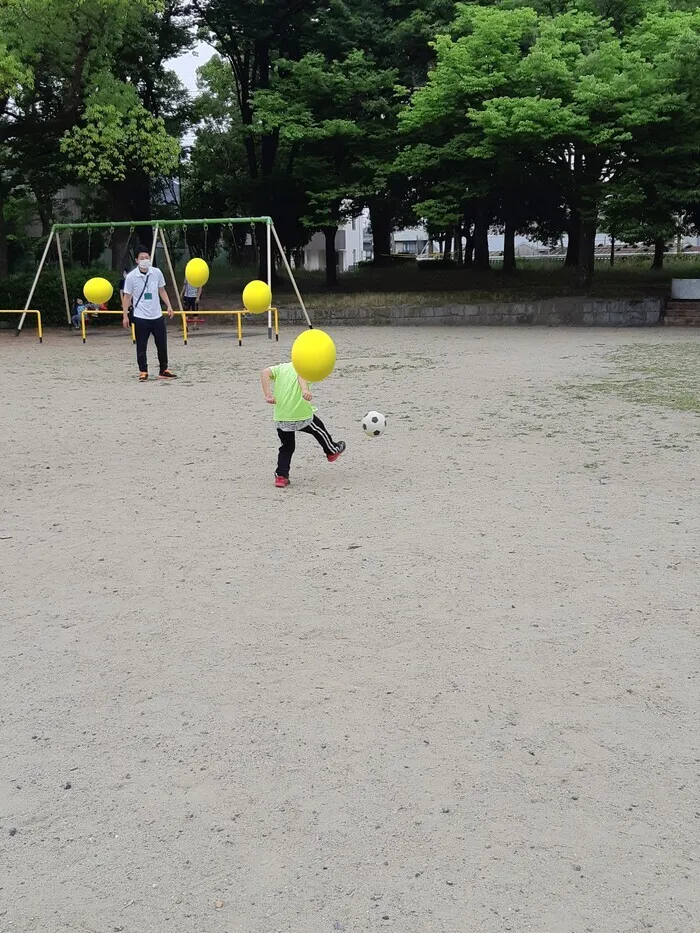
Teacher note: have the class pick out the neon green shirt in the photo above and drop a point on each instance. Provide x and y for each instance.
(289, 404)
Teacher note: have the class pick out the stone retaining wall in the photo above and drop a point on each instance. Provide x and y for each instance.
(556, 312)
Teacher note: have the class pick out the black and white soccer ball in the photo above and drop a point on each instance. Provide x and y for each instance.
(374, 424)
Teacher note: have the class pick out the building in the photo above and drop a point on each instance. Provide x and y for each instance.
(351, 243)
(409, 242)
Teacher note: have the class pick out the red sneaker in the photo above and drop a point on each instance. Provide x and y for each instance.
(340, 449)
(281, 482)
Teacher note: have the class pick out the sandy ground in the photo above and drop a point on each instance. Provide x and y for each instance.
(450, 683)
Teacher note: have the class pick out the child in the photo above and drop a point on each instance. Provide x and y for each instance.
(294, 413)
(78, 308)
(190, 296)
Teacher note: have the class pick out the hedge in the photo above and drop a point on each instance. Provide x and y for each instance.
(48, 297)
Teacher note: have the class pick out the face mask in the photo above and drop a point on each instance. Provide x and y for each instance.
(144, 265)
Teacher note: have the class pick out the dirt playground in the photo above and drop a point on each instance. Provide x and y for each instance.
(448, 684)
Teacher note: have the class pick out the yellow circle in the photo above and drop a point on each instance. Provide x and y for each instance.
(257, 296)
(313, 355)
(98, 291)
(197, 272)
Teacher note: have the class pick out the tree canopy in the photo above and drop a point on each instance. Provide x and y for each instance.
(526, 117)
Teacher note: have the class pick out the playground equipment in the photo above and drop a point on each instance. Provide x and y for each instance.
(24, 312)
(160, 228)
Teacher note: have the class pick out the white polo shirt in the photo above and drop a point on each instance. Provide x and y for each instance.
(143, 289)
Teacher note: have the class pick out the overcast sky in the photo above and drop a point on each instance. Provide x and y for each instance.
(186, 65)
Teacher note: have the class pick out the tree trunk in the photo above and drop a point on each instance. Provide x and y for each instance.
(447, 248)
(659, 250)
(331, 267)
(45, 212)
(468, 246)
(574, 244)
(586, 254)
(261, 239)
(138, 190)
(121, 246)
(4, 264)
(612, 251)
(509, 246)
(380, 218)
(481, 245)
(121, 259)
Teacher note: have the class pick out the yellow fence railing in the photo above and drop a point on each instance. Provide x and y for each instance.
(39, 328)
(239, 319)
(183, 315)
(86, 311)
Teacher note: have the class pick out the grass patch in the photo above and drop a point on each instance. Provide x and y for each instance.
(413, 285)
(663, 375)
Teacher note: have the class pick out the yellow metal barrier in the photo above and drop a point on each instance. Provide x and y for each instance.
(239, 318)
(86, 311)
(39, 328)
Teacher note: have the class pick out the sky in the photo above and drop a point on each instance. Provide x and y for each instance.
(186, 65)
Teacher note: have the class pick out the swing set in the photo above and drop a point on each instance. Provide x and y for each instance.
(160, 227)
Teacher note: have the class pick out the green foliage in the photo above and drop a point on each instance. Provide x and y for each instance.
(330, 112)
(117, 137)
(48, 297)
(84, 98)
(571, 103)
(538, 116)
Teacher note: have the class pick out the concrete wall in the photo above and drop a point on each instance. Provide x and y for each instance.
(583, 312)
(685, 289)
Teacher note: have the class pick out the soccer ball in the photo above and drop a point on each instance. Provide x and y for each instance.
(373, 424)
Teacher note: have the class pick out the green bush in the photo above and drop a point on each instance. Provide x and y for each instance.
(48, 297)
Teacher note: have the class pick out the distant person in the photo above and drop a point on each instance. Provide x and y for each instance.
(144, 289)
(76, 317)
(190, 296)
(78, 308)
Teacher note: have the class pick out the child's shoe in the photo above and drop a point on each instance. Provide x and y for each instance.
(281, 482)
(340, 448)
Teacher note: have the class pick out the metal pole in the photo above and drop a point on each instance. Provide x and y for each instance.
(178, 296)
(34, 283)
(155, 243)
(63, 276)
(268, 239)
(291, 276)
(191, 221)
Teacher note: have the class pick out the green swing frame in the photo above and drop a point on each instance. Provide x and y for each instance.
(158, 227)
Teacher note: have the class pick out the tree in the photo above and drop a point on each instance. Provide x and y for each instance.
(561, 92)
(50, 55)
(395, 36)
(325, 112)
(250, 37)
(119, 140)
(658, 184)
(479, 61)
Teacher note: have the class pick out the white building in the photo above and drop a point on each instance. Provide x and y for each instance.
(349, 246)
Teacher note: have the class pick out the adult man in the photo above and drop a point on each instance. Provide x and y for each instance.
(144, 288)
